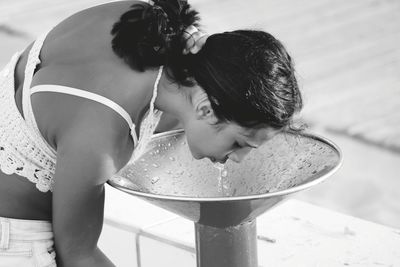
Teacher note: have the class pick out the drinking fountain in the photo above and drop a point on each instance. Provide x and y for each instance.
(224, 201)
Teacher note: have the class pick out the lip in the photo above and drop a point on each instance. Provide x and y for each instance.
(214, 160)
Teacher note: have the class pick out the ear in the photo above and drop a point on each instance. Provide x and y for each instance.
(203, 108)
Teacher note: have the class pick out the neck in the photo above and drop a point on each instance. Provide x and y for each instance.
(172, 99)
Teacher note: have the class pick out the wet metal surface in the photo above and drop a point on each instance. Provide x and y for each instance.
(288, 160)
(168, 176)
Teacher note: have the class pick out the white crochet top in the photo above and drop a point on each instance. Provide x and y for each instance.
(23, 150)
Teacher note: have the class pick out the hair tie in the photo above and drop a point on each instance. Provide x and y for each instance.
(191, 30)
(192, 38)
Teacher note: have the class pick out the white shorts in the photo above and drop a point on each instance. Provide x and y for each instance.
(26, 243)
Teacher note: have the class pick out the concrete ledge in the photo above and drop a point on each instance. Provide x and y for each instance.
(292, 234)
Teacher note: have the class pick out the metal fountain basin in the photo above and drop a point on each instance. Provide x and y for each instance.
(168, 176)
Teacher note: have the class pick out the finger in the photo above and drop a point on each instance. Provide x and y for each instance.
(190, 42)
(195, 49)
(190, 30)
(188, 35)
(200, 41)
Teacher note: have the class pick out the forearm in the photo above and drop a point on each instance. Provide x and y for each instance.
(83, 163)
(97, 258)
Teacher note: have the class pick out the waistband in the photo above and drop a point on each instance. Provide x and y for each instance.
(24, 230)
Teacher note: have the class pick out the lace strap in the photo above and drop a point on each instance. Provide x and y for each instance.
(149, 123)
(31, 64)
(155, 90)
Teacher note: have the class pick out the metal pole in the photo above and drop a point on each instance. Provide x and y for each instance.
(234, 246)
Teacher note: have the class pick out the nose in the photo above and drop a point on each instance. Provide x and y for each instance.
(238, 155)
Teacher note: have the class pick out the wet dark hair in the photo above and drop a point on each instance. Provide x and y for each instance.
(248, 75)
(249, 78)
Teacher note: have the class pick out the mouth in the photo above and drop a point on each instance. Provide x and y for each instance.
(214, 160)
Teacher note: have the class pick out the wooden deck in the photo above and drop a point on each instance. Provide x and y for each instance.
(348, 61)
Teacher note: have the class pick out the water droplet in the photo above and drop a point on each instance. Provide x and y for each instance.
(224, 173)
(157, 151)
(172, 158)
(145, 170)
(169, 144)
(155, 165)
(155, 179)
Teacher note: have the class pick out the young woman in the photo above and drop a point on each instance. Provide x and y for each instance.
(80, 101)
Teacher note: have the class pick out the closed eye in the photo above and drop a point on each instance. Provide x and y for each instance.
(238, 146)
(251, 145)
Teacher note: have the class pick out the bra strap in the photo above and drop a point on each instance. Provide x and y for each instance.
(91, 96)
(84, 94)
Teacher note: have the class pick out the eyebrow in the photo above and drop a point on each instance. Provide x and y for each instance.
(245, 134)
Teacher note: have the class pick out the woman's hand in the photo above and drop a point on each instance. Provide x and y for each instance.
(195, 40)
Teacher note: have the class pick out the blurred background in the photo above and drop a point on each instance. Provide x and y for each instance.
(347, 55)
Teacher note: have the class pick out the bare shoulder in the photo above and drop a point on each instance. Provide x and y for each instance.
(79, 123)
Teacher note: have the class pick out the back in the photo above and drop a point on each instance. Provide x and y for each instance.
(76, 53)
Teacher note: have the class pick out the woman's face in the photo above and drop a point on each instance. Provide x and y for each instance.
(224, 141)
(218, 142)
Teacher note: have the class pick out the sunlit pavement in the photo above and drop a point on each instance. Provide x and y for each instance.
(348, 60)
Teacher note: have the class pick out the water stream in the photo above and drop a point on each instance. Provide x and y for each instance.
(222, 182)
